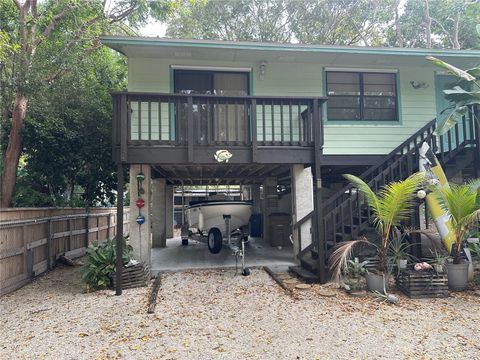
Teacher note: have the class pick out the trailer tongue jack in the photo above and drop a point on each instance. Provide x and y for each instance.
(236, 251)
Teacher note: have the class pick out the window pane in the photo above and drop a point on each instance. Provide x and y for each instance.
(343, 78)
(343, 101)
(381, 79)
(380, 114)
(343, 114)
(343, 83)
(380, 90)
(379, 102)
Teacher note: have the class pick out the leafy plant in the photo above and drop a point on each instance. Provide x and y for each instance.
(100, 265)
(356, 269)
(399, 249)
(462, 204)
(390, 207)
(340, 258)
(465, 93)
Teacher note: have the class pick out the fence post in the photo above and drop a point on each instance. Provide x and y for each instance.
(70, 236)
(49, 244)
(108, 225)
(87, 230)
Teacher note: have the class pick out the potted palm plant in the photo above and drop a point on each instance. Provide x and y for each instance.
(390, 207)
(462, 204)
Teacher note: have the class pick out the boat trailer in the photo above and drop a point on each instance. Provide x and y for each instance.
(235, 243)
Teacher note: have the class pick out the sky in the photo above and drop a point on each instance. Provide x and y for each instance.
(154, 28)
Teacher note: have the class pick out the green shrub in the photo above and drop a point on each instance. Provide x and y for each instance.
(100, 265)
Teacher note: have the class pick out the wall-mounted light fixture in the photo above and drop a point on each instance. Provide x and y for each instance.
(262, 69)
(419, 84)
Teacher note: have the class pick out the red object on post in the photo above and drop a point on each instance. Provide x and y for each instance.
(140, 203)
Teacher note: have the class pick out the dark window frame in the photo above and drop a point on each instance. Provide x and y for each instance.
(211, 73)
(362, 97)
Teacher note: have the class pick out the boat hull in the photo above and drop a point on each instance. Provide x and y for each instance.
(207, 215)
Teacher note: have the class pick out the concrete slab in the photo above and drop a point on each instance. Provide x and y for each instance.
(195, 255)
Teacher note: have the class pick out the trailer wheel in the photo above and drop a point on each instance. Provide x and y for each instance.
(214, 241)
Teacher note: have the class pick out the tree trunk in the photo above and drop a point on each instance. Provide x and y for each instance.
(14, 149)
(428, 29)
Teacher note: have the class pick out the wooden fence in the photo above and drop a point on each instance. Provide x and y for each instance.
(32, 245)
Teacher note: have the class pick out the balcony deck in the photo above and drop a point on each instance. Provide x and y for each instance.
(172, 129)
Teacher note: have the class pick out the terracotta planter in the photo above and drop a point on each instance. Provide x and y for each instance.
(457, 276)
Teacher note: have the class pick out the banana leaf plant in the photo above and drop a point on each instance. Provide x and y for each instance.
(464, 94)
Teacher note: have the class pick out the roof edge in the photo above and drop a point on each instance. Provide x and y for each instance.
(116, 41)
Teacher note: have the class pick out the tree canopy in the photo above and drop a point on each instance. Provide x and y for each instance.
(331, 22)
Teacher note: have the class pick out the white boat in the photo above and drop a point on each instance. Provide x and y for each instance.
(206, 215)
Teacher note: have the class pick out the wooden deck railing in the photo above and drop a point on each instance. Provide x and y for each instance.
(180, 120)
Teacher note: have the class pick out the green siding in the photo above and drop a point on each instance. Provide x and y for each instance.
(417, 106)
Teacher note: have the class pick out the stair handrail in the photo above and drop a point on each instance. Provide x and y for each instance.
(429, 128)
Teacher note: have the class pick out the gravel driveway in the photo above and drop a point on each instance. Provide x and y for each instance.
(213, 315)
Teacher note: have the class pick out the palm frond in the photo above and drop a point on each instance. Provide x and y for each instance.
(363, 187)
(397, 198)
(338, 260)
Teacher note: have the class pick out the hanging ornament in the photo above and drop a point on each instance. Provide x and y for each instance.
(140, 219)
(140, 177)
(140, 203)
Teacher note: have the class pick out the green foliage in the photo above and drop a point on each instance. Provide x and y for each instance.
(345, 22)
(399, 249)
(356, 269)
(446, 16)
(465, 93)
(332, 22)
(100, 265)
(462, 204)
(390, 207)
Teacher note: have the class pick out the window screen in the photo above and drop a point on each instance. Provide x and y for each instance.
(361, 96)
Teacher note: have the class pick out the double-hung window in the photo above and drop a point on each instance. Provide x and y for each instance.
(361, 96)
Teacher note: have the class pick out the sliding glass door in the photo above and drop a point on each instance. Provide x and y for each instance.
(216, 120)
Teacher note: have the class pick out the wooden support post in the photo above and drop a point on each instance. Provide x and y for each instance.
(49, 244)
(87, 230)
(190, 129)
(253, 121)
(475, 119)
(70, 235)
(108, 225)
(119, 237)
(317, 190)
(123, 127)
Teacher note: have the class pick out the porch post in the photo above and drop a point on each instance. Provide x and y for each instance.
(119, 236)
(159, 208)
(317, 188)
(169, 211)
(475, 114)
(140, 235)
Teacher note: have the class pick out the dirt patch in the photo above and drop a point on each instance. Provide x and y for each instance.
(214, 315)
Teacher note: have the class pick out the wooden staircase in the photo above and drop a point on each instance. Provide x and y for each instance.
(346, 215)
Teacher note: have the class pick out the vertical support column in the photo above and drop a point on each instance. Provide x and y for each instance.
(302, 205)
(159, 208)
(475, 114)
(169, 211)
(270, 204)
(119, 237)
(140, 235)
(257, 202)
(317, 188)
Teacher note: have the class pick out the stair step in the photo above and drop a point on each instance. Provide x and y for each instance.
(309, 264)
(304, 274)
